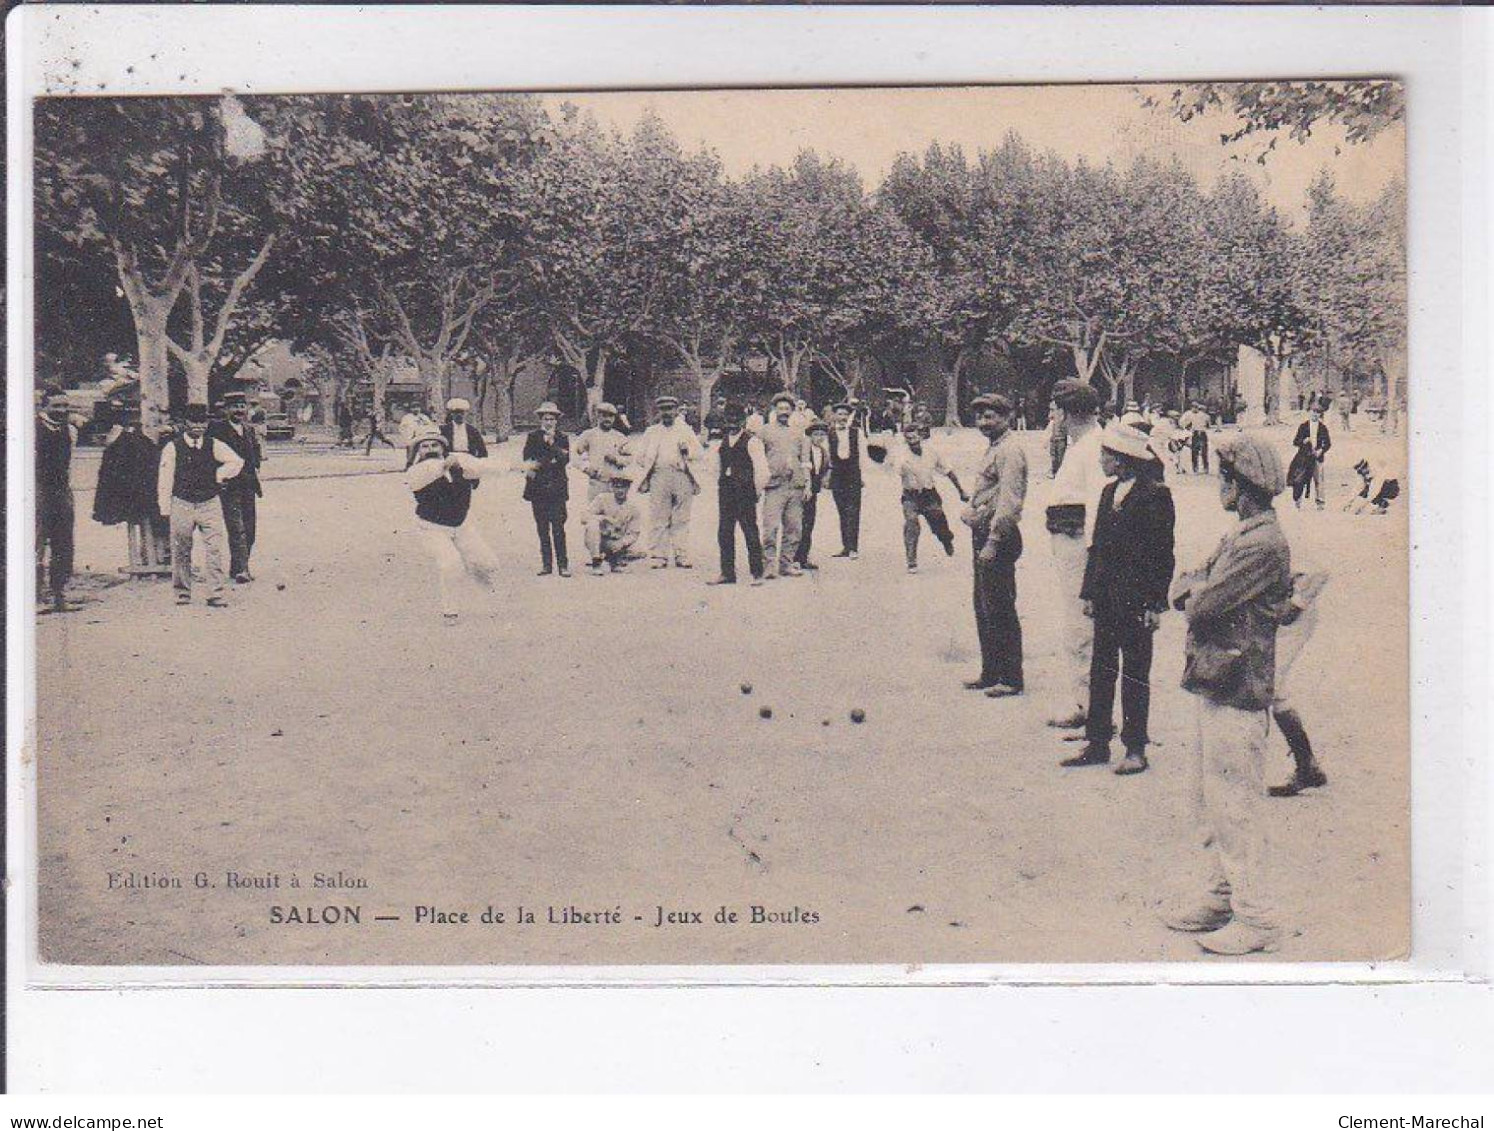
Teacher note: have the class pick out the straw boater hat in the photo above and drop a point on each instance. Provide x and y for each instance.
(1126, 440)
(549, 408)
(1251, 459)
(427, 432)
(458, 404)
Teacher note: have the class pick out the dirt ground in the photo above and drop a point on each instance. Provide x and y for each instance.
(586, 743)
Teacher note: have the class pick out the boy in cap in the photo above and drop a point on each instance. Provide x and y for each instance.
(666, 472)
(919, 467)
(743, 474)
(847, 438)
(1232, 604)
(442, 483)
(1124, 593)
(193, 469)
(993, 514)
(240, 492)
(547, 451)
(614, 526)
(603, 451)
(789, 461)
(1072, 506)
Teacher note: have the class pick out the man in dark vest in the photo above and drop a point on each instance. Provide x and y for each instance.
(845, 479)
(743, 474)
(54, 498)
(462, 436)
(819, 470)
(240, 492)
(442, 482)
(194, 467)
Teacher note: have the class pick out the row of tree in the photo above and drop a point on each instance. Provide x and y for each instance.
(481, 232)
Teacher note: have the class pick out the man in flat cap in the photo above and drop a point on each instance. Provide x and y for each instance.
(789, 461)
(193, 470)
(460, 433)
(668, 453)
(602, 451)
(847, 439)
(240, 492)
(1233, 604)
(993, 515)
(920, 466)
(547, 452)
(742, 476)
(1071, 522)
(819, 470)
(614, 526)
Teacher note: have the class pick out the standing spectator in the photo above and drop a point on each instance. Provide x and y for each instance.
(193, 470)
(1196, 422)
(743, 474)
(460, 433)
(1057, 435)
(1232, 604)
(1312, 443)
(994, 511)
(715, 420)
(919, 468)
(240, 492)
(55, 437)
(789, 459)
(1070, 519)
(1128, 571)
(819, 469)
(127, 493)
(375, 432)
(846, 441)
(603, 451)
(666, 470)
(344, 423)
(547, 451)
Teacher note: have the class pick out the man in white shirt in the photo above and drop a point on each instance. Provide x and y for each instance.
(789, 464)
(1071, 523)
(194, 468)
(669, 452)
(601, 452)
(919, 466)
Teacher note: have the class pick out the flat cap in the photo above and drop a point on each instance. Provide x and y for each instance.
(992, 401)
(1254, 460)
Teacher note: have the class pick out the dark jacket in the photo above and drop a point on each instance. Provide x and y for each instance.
(1320, 449)
(247, 448)
(475, 444)
(1131, 556)
(549, 483)
(127, 480)
(1233, 605)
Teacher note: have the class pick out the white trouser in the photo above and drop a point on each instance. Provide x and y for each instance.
(1228, 787)
(1069, 554)
(458, 550)
(670, 493)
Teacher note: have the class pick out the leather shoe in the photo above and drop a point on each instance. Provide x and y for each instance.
(1239, 938)
(1002, 691)
(1093, 754)
(1133, 763)
(1310, 780)
(976, 684)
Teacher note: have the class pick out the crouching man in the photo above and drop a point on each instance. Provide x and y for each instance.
(1232, 604)
(442, 482)
(614, 527)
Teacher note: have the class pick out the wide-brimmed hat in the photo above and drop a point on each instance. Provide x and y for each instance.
(549, 408)
(1126, 439)
(1250, 458)
(458, 404)
(427, 432)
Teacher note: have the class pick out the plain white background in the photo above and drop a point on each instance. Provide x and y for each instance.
(1426, 1026)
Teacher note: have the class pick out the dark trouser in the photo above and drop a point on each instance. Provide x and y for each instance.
(928, 504)
(238, 517)
(1200, 445)
(806, 528)
(1122, 650)
(373, 434)
(848, 507)
(738, 508)
(54, 533)
(996, 621)
(549, 523)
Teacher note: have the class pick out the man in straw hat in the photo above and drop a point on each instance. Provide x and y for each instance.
(1233, 604)
(668, 453)
(994, 511)
(194, 468)
(1124, 593)
(614, 526)
(1070, 517)
(601, 452)
(442, 482)
(547, 451)
(461, 434)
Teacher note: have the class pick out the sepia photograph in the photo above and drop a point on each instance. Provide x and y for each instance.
(730, 527)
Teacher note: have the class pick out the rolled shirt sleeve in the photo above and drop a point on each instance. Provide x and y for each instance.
(166, 479)
(230, 463)
(424, 473)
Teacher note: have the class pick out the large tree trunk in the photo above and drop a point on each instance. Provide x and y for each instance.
(952, 388)
(435, 377)
(1271, 399)
(155, 390)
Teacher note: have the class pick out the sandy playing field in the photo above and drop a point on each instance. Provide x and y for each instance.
(587, 744)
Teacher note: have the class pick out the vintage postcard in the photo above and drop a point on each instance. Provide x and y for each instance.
(733, 527)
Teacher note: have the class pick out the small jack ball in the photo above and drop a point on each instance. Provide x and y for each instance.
(746, 689)
(765, 712)
(824, 722)
(858, 715)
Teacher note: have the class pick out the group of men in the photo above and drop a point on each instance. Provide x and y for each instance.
(206, 482)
